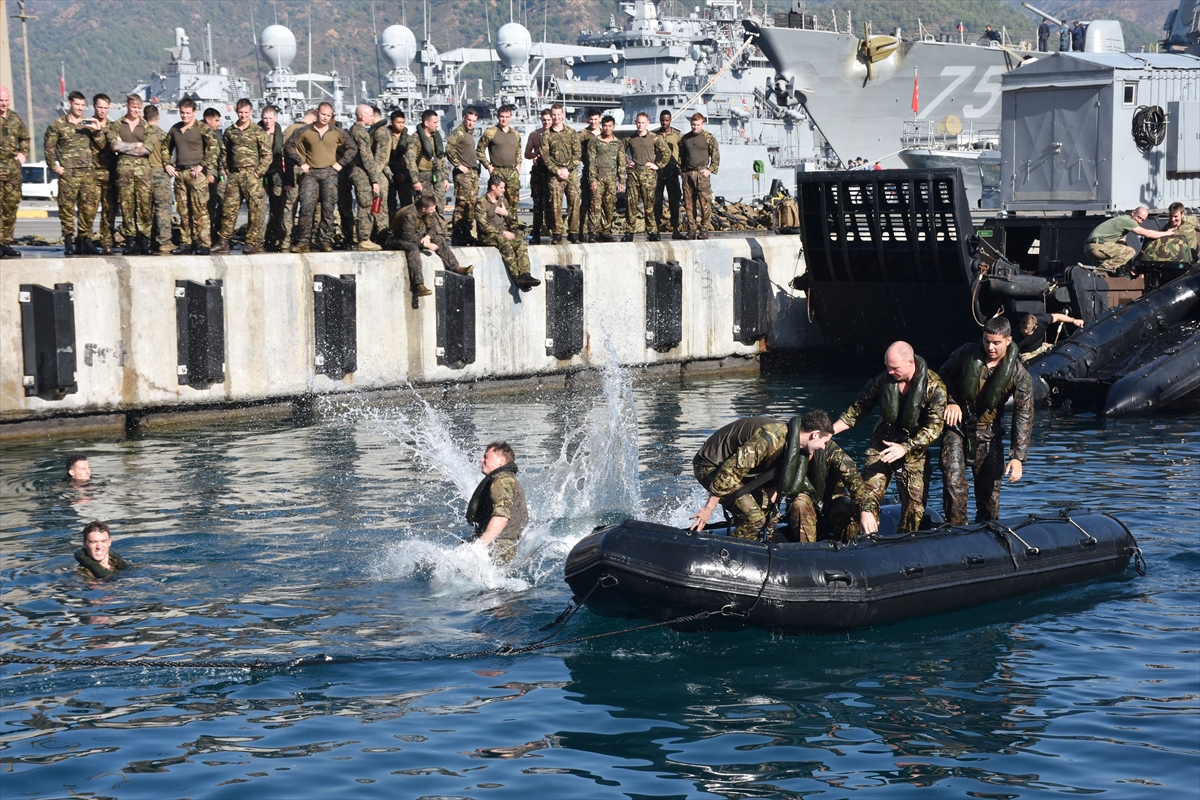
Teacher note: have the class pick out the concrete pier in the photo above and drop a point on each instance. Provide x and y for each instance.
(126, 333)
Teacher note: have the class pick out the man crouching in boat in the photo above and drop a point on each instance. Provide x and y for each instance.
(823, 495)
(980, 377)
(497, 508)
(911, 400)
(740, 467)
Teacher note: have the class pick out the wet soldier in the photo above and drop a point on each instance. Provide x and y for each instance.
(495, 221)
(460, 151)
(245, 159)
(193, 148)
(391, 150)
(67, 145)
(419, 227)
(499, 152)
(426, 159)
(291, 183)
(561, 155)
(96, 556)
(133, 178)
(647, 154)
(832, 501)
(737, 466)
(699, 159)
(980, 378)
(1106, 242)
(161, 193)
(586, 233)
(106, 171)
(912, 402)
(365, 179)
(539, 178)
(668, 177)
(79, 469)
(14, 151)
(274, 180)
(497, 509)
(605, 177)
(319, 151)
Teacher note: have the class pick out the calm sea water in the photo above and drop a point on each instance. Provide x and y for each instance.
(271, 541)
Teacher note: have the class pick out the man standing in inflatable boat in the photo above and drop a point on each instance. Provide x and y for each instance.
(980, 377)
(911, 400)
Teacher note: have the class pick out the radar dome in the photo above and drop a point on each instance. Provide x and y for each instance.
(278, 46)
(513, 45)
(399, 46)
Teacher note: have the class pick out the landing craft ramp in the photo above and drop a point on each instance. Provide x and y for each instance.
(887, 258)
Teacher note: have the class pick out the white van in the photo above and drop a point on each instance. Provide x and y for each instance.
(38, 181)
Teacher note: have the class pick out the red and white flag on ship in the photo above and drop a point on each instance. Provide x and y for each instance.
(916, 101)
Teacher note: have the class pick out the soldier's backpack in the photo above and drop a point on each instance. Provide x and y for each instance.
(787, 216)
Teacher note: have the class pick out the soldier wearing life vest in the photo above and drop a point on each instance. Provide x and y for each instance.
(497, 509)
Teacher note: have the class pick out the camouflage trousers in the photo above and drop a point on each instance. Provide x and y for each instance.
(399, 194)
(466, 192)
(910, 484)
(559, 187)
(539, 193)
(10, 201)
(639, 200)
(514, 252)
(697, 202)
(276, 199)
(1112, 256)
(668, 183)
(137, 196)
(987, 466)
(837, 519)
(749, 513)
(191, 202)
(362, 223)
(244, 185)
(512, 185)
(604, 205)
(430, 187)
(502, 551)
(586, 225)
(412, 253)
(287, 221)
(78, 197)
(381, 222)
(216, 201)
(317, 184)
(106, 186)
(160, 200)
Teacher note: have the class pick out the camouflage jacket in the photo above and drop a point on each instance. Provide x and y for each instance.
(585, 137)
(243, 150)
(426, 154)
(605, 159)
(741, 449)
(1178, 248)
(487, 220)
(365, 159)
(68, 145)
(840, 477)
(713, 149)
(211, 147)
(14, 139)
(105, 157)
(990, 421)
(671, 137)
(500, 495)
(929, 418)
(155, 139)
(489, 150)
(560, 149)
(382, 145)
(410, 226)
(460, 150)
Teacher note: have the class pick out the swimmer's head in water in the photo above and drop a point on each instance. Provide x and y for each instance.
(78, 468)
(97, 540)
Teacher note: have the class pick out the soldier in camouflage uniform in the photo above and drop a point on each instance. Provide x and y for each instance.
(133, 177)
(273, 183)
(585, 232)
(68, 148)
(291, 184)
(460, 150)
(365, 178)
(499, 152)
(216, 182)
(737, 467)
(494, 219)
(668, 178)
(604, 176)
(699, 159)
(1180, 246)
(647, 153)
(560, 153)
(193, 150)
(106, 172)
(1106, 244)
(980, 378)
(161, 196)
(539, 179)
(381, 150)
(14, 151)
(497, 509)
(245, 158)
(419, 227)
(912, 404)
(391, 151)
(319, 152)
(426, 159)
(832, 500)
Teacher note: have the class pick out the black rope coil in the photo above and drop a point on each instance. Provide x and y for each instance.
(1149, 127)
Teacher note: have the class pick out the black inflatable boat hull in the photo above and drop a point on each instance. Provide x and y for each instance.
(640, 569)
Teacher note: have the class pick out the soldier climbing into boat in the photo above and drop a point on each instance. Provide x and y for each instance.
(740, 468)
(980, 378)
(827, 498)
(1105, 242)
(497, 509)
(912, 400)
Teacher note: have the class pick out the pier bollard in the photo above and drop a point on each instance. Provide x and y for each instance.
(564, 310)
(200, 324)
(48, 338)
(335, 321)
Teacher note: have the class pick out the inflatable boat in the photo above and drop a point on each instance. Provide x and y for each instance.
(643, 570)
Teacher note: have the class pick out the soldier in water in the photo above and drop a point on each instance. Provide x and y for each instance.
(497, 509)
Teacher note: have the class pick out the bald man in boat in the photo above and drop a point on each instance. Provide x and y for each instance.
(740, 465)
(912, 401)
(980, 378)
(497, 509)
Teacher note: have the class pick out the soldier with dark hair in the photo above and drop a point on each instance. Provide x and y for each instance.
(460, 151)
(586, 232)
(216, 181)
(912, 402)
(833, 501)
(700, 158)
(1032, 328)
(155, 139)
(365, 178)
(245, 158)
(79, 470)
(95, 555)
(647, 153)
(560, 153)
(68, 148)
(274, 179)
(426, 159)
(737, 467)
(980, 378)
(320, 151)
(194, 149)
(604, 176)
(499, 152)
(14, 150)
(106, 171)
(133, 177)
(291, 183)
(668, 178)
(391, 151)
(497, 509)
(495, 221)
(419, 227)
(539, 178)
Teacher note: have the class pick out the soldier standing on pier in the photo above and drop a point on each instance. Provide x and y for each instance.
(699, 158)
(106, 169)
(668, 177)
(291, 182)
(605, 177)
(365, 179)
(539, 178)
(14, 151)
(194, 148)
(391, 152)
(274, 187)
(499, 152)
(320, 151)
(460, 150)
(426, 159)
(133, 178)
(647, 153)
(586, 232)
(560, 154)
(161, 197)
(245, 159)
(68, 148)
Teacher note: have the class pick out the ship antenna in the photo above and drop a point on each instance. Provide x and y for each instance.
(378, 72)
(488, 21)
(257, 61)
(308, 91)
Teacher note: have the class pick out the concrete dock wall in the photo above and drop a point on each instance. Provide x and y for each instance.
(126, 334)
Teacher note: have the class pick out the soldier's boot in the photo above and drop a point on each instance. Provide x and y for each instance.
(556, 239)
(201, 250)
(86, 247)
(627, 237)
(285, 247)
(68, 245)
(605, 238)
(573, 238)
(526, 282)
(182, 250)
(220, 246)
(251, 250)
(368, 245)
(143, 243)
(421, 291)
(653, 237)
(679, 236)
(535, 240)
(300, 248)
(467, 270)
(131, 248)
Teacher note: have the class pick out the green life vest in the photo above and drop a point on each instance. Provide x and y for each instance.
(93, 566)
(987, 399)
(432, 150)
(890, 399)
(801, 475)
